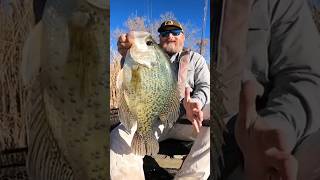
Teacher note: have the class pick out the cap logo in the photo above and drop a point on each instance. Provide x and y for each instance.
(168, 23)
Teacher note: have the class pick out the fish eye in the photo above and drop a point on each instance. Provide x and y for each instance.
(149, 43)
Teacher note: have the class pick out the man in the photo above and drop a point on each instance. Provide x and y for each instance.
(277, 128)
(123, 163)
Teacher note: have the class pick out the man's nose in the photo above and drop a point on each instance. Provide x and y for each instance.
(170, 36)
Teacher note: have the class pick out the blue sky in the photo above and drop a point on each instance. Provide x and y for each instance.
(184, 10)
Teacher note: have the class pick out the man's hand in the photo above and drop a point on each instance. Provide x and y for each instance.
(123, 44)
(193, 110)
(267, 154)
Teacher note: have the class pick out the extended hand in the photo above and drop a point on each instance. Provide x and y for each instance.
(267, 154)
(193, 110)
(123, 44)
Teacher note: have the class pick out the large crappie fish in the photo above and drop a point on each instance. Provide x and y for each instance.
(148, 91)
(65, 64)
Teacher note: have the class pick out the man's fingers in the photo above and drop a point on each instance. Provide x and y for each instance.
(285, 163)
(123, 38)
(273, 174)
(197, 119)
(200, 117)
(124, 45)
(276, 138)
(195, 125)
(289, 168)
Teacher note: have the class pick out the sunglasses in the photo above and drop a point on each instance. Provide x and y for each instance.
(175, 32)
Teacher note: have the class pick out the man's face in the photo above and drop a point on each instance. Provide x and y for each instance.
(172, 41)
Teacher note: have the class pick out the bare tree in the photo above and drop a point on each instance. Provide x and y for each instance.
(202, 43)
(136, 23)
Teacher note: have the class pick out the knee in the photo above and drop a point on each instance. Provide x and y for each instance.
(120, 141)
(203, 137)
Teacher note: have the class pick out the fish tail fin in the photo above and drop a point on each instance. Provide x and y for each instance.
(144, 145)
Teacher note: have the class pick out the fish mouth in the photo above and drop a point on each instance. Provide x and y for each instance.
(142, 58)
(139, 64)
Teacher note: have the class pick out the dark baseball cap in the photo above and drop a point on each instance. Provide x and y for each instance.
(169, 25)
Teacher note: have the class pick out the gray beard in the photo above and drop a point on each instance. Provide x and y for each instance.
(172, 49)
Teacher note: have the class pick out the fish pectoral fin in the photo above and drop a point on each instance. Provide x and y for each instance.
(171, 114)
(144, 144)
(166, 119)
(150, 64)
(126, 118)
